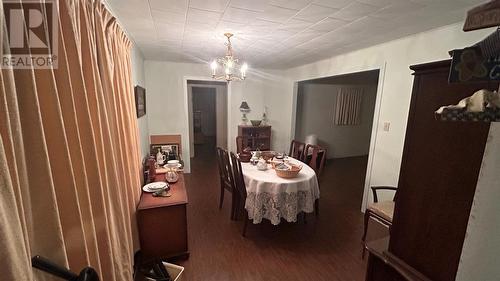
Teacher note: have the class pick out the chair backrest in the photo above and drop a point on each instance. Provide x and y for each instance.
(223, 164)
(219, 162)
(237, 176)
(315, 157)
(297, 149)
(241, 143)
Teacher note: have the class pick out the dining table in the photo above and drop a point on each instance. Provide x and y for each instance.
(274, 198)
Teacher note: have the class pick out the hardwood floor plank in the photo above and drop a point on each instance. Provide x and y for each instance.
(328, 247)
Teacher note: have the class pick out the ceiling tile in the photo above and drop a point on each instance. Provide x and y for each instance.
(169, 31)
(227, 26)
(337, 4)
(303, 37)
(209, 5)
(397, 9)
(260, 25)
(253, 5)
(279, 35)
(382, 3)
(169, 5)
(277, 14)
(169, 44)
(239, 15)
(133, 10)
(295, 25)
(206, 18)
(276, 33)
(315, 13)
(168, 17)
(291, 4)
(370, 24)
(329, 24)
(144, 37)
(354, 11)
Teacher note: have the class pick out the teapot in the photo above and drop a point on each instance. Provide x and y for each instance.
(262, 164)
(255, 157)
(171, 176)
(256, 153)
(160, 158)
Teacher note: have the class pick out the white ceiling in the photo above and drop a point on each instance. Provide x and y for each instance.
(276, 33)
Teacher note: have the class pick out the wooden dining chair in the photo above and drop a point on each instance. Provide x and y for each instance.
(239, 183)
(224, 166)
(315, 157)
(297, 149)
(241, 143)
(382, 212)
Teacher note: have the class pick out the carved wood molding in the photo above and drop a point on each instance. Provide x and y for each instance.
(483, 16)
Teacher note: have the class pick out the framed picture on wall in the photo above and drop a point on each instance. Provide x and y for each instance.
(140, 101)
(165, 148)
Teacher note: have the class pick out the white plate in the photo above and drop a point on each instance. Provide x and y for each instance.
(166, 166)
(154, 186)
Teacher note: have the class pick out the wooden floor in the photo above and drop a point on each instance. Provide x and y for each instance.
(326, 248)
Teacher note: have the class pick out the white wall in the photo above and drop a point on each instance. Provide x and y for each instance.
(479, 260)
(221, 116)
(394, 58)
(168, 108)
(482, 244)
(315, 111)
(138, 79)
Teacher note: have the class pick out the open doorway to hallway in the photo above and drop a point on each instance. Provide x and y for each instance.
(339, 112)
(207, 105)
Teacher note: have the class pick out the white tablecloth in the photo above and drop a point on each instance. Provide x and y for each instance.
(273, 198)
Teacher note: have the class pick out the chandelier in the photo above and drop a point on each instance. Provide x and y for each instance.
(228, 67)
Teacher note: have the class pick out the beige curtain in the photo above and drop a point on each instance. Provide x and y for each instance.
(348, 107)
(69, 152)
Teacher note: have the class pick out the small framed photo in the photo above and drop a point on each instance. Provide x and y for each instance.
(140, 101)
(166, 148)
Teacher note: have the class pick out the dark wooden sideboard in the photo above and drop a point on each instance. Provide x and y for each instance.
(162, 223)
(255, 137)
(438, 177)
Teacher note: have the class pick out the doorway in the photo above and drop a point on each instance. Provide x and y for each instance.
(207, 106)
(322, 105)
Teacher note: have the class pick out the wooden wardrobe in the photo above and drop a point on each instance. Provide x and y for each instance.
(438, 177)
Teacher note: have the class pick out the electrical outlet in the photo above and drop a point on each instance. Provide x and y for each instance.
(387, 126)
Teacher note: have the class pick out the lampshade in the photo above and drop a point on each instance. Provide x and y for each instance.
(311, 139)
(244, 106)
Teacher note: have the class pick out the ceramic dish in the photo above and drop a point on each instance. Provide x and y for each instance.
(155, 186)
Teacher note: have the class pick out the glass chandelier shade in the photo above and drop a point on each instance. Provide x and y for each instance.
(228, 67)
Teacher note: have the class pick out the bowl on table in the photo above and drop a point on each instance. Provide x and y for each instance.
(287, 170)
(267, 155)
(255, 122)
(245, 158)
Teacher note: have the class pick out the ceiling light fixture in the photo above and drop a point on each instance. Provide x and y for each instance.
(232, 70)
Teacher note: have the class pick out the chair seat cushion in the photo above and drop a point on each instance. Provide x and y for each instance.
(385, 209)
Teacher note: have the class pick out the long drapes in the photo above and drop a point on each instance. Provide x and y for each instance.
(69, 152)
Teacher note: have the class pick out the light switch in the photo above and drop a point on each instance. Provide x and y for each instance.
(387, 126)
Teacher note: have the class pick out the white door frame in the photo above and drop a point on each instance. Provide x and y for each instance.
(188, 105)
(375, 124)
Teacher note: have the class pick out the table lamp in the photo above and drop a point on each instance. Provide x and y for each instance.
(244, 109)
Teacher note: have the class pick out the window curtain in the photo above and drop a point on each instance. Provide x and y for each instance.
(69, 152)
(348, 107)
